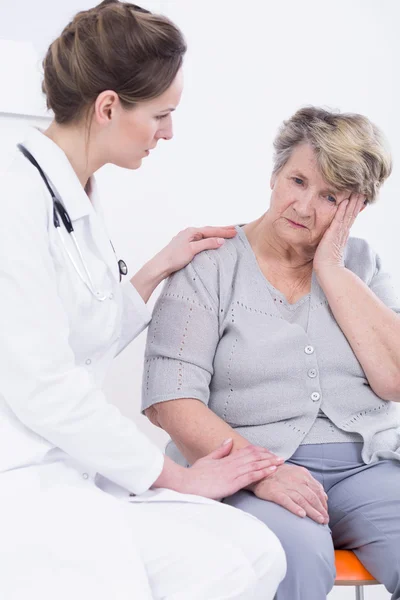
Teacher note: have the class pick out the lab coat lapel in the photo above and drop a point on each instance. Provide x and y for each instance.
(99, 231)
(60, 173)
(70, 192)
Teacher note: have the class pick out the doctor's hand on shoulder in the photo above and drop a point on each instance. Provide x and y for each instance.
(220, 473)
(183, 247)
(177, 254)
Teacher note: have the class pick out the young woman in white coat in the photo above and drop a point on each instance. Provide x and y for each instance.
(89, 507)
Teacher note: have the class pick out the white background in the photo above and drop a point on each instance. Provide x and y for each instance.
(250, 64)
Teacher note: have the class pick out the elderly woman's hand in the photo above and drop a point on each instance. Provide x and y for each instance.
(330, 251)
(222, 472)
(295, 489)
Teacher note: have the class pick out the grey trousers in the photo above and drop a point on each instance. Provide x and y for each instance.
(364, 511)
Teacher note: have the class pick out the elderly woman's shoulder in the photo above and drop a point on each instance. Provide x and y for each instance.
(217, 267)
(224, 258)
(360, 258)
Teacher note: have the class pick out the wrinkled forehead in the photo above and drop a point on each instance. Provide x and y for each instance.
(303, 163)
(303, 157)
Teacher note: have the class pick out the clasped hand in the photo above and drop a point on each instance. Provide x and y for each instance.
(295, 489)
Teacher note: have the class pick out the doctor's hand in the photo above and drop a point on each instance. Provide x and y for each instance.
(295, 489)
(222, 473)
(180, 251)
(187, 243)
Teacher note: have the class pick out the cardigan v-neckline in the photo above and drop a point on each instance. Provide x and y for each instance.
(316, 295)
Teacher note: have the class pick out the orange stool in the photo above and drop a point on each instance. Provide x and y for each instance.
(349, 571)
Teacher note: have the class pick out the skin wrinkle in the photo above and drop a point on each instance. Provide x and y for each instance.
(285, 255)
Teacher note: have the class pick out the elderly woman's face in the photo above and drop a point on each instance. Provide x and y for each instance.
(302, 203)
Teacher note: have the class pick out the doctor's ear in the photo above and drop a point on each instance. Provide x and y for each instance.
(105, 105)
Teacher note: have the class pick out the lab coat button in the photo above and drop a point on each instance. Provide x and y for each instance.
(85, 476)
(111, 296)
(308, 349)
(88, 361)
(315, 396)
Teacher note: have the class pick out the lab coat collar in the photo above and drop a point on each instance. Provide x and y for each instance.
(69, 190)
(60, 174)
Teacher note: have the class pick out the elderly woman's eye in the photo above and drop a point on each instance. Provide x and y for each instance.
(298, 180)
(331, 199)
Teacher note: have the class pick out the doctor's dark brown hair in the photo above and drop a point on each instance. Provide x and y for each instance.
(114, 46)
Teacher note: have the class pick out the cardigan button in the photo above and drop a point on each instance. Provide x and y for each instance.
(308, 349)
(315, 396)
(312, 373)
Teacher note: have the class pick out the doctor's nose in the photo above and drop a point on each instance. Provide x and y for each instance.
(166, 131)
(165, 134)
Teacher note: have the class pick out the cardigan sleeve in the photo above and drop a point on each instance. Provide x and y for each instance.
(362, 259)
(383, 286)
(183, 336)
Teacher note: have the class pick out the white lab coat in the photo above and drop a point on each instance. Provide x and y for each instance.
(62, 445)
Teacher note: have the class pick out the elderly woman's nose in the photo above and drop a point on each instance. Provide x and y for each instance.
(303, 204)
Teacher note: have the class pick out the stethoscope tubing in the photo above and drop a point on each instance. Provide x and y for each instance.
(60, 210)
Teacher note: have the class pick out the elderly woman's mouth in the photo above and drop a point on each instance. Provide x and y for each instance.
(296, 225)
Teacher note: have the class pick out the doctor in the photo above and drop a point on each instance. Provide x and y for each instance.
(89, 507)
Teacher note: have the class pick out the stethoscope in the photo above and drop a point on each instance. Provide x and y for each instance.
(60, 210)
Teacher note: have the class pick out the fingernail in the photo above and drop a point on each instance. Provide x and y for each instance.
(224, 443)
(302, 513)
(220, 240)
(321, 519)
(271, 468)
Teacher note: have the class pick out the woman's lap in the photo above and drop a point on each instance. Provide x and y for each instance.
(363, 502)
(364, 512)
(307, 545)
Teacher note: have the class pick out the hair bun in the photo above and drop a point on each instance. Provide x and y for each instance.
(114, 46)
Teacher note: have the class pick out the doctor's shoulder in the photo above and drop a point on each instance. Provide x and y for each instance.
(22, 193)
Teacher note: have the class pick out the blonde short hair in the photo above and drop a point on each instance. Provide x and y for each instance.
(351, 152)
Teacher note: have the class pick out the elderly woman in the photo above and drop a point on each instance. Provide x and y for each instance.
(288, 337)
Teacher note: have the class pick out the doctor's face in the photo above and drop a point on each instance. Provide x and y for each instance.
(131, 134)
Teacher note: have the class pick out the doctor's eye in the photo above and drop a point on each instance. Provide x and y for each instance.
(160, 117)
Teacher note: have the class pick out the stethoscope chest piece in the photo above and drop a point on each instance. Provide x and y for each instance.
(123, 269)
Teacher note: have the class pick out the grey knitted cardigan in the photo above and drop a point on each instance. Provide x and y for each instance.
(217, 336)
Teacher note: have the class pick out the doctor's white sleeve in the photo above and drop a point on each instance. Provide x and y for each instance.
(39, 379)
(135, 316)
